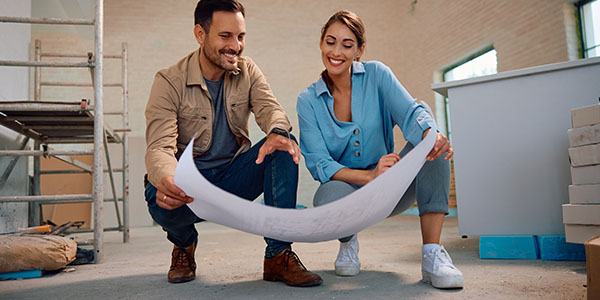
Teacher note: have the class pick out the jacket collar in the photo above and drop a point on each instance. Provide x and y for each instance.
(321, 87)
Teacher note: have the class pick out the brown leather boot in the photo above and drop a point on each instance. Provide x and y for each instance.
(286, 267)
(183, 265)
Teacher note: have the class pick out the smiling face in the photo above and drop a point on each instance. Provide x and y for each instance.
(339, 48)
(222, 45)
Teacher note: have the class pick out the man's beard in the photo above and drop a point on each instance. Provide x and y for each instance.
(216, 57)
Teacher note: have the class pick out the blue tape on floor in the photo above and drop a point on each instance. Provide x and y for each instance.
(554, 247)
(508, 247)
(21, 275)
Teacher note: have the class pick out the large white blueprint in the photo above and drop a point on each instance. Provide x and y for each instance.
(351, 214)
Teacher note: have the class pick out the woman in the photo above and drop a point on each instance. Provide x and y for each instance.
(346, 120)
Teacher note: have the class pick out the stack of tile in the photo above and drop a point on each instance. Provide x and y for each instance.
(582, 215)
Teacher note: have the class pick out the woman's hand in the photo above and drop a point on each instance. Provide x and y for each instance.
(442, 145)
(385, 162)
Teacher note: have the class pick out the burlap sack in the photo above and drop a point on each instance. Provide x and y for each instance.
(35, 252)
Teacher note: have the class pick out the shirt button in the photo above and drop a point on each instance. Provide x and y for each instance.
(357, 154)
(318, 165)
(356, 143)
(356, 131)
(420, 119)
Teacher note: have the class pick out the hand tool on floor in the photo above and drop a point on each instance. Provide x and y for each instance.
(36, 229)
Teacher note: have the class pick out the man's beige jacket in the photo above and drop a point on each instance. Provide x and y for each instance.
(180, 108)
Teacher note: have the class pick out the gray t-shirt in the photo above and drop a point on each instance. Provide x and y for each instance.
(224, 146)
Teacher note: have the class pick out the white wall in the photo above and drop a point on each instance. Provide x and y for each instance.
(14, 85)
(14, 81)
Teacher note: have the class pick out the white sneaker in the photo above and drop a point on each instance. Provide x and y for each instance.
(437, 268)
(347, 263)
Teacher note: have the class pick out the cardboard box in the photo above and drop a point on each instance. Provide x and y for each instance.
(64, 184)
(584, 194)
(584, 116)
(585, 155)
(584, 214)
(586, 135)
(585, 174)
(578, 234)
(592, 258)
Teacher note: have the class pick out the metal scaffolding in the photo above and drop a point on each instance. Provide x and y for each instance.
(73, 123)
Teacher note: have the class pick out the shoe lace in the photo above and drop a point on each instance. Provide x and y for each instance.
(289, 255)
(443, 257)
(349, 250)
(181, 257)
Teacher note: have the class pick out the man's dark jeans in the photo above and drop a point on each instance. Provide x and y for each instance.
(276, 176)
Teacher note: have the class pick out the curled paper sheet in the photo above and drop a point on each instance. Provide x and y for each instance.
(365, 207)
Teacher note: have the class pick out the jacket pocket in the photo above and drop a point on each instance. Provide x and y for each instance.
(192, 122)
(239, 112)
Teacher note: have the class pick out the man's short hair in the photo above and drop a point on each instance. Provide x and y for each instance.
(206, 8)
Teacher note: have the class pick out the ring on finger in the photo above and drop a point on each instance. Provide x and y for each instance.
(164, 198)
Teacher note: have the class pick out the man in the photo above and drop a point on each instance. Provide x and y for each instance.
(209, 95)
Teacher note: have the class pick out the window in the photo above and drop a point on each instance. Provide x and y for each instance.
(484, 64)
(480, 64)
(589, 22)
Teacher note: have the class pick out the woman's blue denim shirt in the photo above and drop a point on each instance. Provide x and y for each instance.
(379, 102)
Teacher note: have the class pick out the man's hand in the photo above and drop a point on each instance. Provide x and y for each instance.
(278, 142)
(442, 145)
(169, 196)
(385, 162)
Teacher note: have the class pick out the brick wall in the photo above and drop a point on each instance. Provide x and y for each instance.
(436, 34)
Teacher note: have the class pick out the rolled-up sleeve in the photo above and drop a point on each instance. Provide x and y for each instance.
(412, 118)
(319, 162)
(161, 130)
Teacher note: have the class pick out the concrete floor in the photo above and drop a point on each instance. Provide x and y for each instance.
(230, 267)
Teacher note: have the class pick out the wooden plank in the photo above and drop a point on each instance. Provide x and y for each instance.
(586, 135)
(585, 116)
(584, 194)
(580, 233)
(583, 214)
(585, 155)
